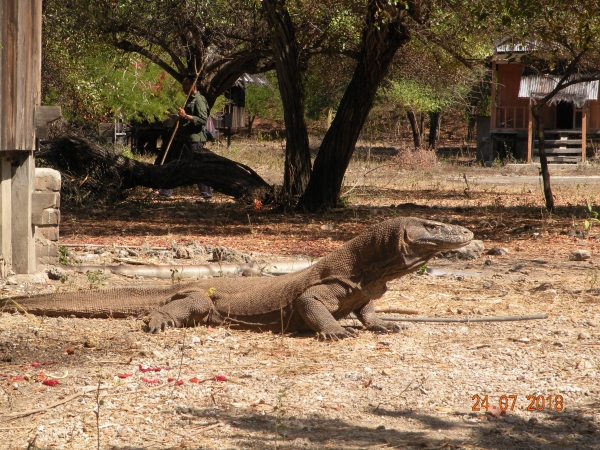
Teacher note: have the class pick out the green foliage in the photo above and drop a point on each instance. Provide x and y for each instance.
(132, 88)
(412, 94)
(63, 255)
(95, 279)
(264, 101)
(592, 218)
(326, 80)
(102, 84)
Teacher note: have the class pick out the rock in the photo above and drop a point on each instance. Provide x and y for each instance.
(583, 336)
(11, 281)
(228, 255)
(99, 250)
(580, 255)
(56, 273)
(183, 253)
(471, 251)
(251, 272)
(584, 364)
(494, 411)
(90, 342)
(550, 292)
(497, 251)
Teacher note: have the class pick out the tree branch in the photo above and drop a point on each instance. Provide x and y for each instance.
(128, 46)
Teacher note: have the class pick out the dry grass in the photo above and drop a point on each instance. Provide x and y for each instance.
(410, 390)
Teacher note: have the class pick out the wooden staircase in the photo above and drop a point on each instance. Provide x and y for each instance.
(561, 146)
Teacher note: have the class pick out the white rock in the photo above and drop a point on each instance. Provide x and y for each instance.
(580, 255)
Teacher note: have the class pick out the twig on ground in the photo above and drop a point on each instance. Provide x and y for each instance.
(180, 362)
(56, 377)
(203, 429)
(468, 188)
(393, 310)
(97, 413)
(29, 412)
(466, 319)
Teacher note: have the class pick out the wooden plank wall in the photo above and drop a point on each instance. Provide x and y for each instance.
(20, 72)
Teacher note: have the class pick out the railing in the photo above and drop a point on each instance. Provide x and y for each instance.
(512, 117)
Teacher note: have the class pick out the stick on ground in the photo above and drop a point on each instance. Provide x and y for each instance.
(466, 319)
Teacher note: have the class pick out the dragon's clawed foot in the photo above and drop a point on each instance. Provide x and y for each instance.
(159, 320)
(386, 327)
(336, 335)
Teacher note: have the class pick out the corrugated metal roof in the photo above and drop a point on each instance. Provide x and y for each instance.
(537, 86)
(509, 47)
(257, 78)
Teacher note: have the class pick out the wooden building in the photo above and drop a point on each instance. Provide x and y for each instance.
(571, 118)
(20, 117)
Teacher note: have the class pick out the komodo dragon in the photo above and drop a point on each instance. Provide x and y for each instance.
(344, 281)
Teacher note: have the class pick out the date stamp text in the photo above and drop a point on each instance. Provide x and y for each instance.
(509, 402)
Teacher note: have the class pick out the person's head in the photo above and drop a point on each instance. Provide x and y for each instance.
(187, 83)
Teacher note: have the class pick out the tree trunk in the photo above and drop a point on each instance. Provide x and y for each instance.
(291, 88)
(382, 36)
(434, 127)
(471, 127)
(414, 126)
(539, 124)
(89, 166)
(251, 118)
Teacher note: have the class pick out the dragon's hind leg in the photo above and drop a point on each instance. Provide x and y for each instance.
(187, 309)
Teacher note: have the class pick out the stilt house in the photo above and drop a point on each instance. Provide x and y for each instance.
(571, 118)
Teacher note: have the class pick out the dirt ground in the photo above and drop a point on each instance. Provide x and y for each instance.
(426, 387)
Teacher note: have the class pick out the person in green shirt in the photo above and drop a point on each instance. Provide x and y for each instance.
(191, 138)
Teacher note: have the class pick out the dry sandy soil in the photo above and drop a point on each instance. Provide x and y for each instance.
(415, 389)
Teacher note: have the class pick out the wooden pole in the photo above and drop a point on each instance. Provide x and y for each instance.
(493, 98)
(584, 131)
(529, 135)
(177, 123)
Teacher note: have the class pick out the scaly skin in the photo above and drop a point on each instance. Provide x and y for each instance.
(346, 280)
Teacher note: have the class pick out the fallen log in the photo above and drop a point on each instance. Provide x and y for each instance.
(273, 268)
(93, 172)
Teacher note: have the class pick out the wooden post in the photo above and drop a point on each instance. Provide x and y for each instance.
(530, 136)
(493, 98)
(23, 248)
(584, 131)
(5, 210)
(20, 76)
